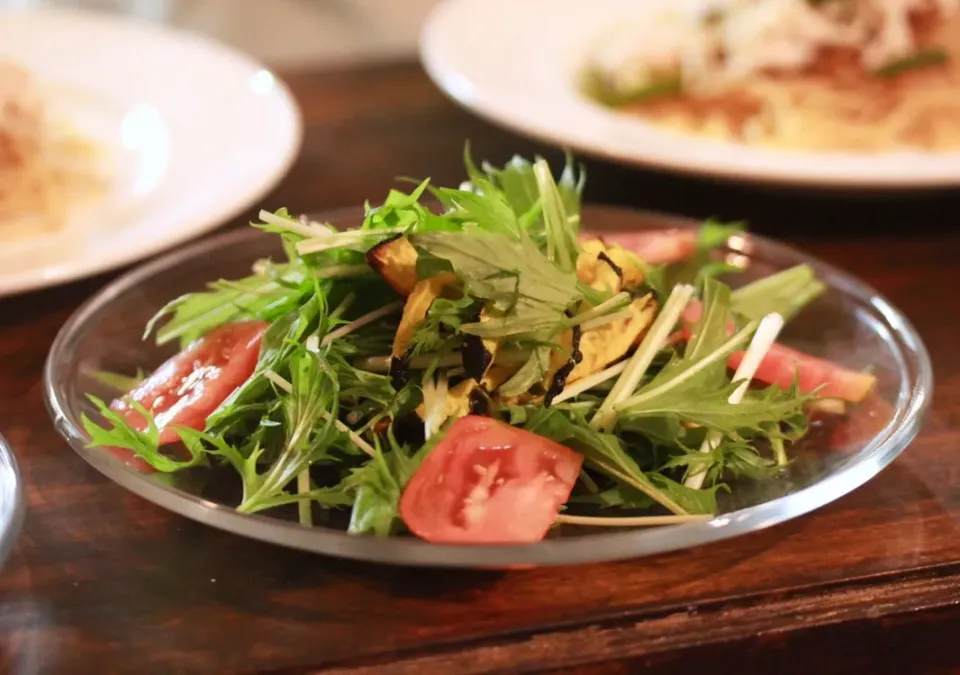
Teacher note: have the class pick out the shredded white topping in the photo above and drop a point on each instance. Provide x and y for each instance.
(716, 42)
(434, 404)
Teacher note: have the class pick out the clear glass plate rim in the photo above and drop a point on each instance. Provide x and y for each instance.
(872, 458)
(12, 506)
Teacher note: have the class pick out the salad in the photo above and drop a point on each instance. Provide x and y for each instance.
(473, 365)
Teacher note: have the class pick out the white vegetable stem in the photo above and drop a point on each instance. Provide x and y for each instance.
(602, 321)
(360, 322)
(590, 382)
(652, 343)
(617, 302)
(303, 486)
(293, 225)
(434, 404)
(762, 340)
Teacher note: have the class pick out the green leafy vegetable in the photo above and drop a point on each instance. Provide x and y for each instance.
(377, 487)
(785, 293)
(309, 411)
(598, 87)
(117, 381)
(711, 235)
(331, 417)
(922, 59)
(145, 444)
(606, 453)
(523, 290)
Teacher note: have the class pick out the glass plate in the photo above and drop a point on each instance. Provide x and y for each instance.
(11, 500)
(850, 324)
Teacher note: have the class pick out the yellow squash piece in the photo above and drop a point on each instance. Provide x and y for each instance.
(596, 272)
(396, 261)
(416, 308)
(602, 346)
(628, 264)
(458, 397)
(608, 343)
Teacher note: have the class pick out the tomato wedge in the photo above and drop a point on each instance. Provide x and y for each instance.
(654, 247)
(782, 364)
(192, 384)
(487, 482)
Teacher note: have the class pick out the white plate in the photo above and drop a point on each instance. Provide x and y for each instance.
(515, 62)
(193, 133)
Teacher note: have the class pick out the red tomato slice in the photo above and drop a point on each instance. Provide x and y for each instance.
(782, 364)
(192, 384)
(654, 247)
(489, 483)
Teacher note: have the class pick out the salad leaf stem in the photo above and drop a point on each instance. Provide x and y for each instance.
(360, 322)
(343, 271)
(344, 305)
(588, 383)
(616, 303)
(288, 223)
(652, 342)
(762, 340)
(642, 483)
(303, 487)
(785, 293)
(562, 244)
(357, 440)
(602, 321)
(381, 364)
(350, 238)
(658, 389)
(312, 392)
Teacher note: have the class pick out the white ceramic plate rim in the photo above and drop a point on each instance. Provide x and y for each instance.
(174, 223)
(516, 64)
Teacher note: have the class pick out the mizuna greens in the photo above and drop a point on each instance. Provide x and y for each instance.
(377, 340)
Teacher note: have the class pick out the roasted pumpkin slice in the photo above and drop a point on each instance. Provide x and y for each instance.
(460, 399)
(632, 272)
(415, 310)
(607, 268)
(606, 344)
(395, 260)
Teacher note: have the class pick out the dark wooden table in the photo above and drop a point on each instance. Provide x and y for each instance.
(103, 582)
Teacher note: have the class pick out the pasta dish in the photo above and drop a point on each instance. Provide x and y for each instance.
(44, 170)
(861, 75)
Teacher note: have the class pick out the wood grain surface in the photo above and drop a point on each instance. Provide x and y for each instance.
(104, 582)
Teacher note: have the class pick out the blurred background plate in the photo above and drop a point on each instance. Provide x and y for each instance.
(517, 65)
(850, 324)
(11, 500)
(190, 132)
